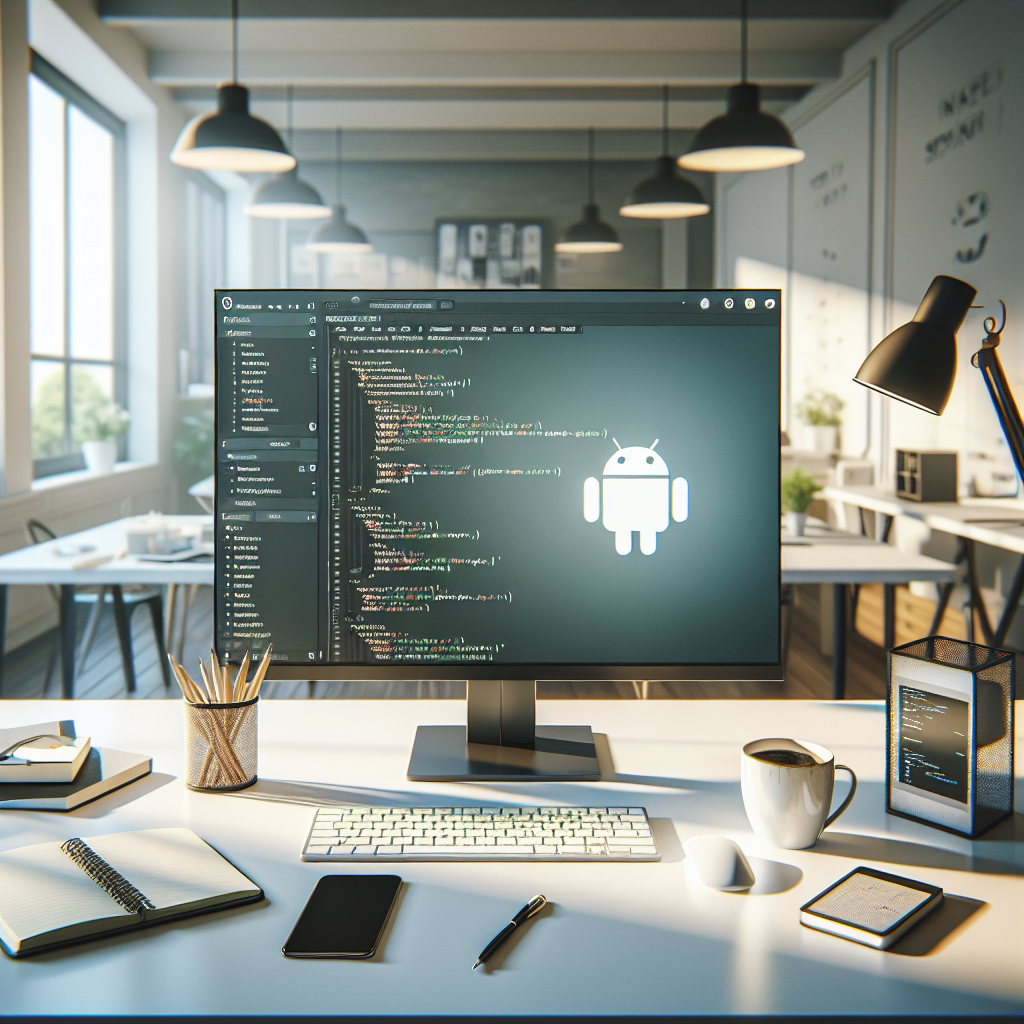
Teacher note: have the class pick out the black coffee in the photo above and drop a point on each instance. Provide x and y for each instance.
(787, 758)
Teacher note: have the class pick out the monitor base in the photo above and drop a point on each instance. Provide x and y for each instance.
(563, 753)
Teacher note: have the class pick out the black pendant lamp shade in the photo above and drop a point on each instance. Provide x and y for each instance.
(284, 196)
(338, 235)
(591, 234)
(665, 195)
(917, 362)
(745, 138)
(231, 139)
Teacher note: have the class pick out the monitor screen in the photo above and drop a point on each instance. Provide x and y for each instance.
(499, 484)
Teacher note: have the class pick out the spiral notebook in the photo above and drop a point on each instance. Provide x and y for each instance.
(55, 894)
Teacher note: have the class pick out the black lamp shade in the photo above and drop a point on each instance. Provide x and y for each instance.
(338, 235)
(917, 362)
(231, 139)
(590, 234)
(743, 139)
(665, 195)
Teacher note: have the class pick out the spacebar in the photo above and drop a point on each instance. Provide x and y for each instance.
(470, 851)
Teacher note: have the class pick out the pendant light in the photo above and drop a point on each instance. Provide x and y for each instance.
(591, 234)
(285, 197)
(666, 194)
(745, 138)
(231, 139)
(337, 235)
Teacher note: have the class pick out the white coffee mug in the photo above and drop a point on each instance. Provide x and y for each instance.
(787, 790)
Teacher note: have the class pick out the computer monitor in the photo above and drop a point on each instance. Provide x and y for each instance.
(499, 486)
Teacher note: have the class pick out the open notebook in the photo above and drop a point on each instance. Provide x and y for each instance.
(55, 894)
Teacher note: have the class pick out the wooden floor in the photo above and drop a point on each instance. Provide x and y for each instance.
(808, 673)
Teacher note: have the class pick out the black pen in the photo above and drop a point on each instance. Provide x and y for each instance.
(527, 912)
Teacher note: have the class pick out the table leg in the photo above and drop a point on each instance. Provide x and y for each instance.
(977, 600)
(1012, 601)
(3, 630)
(945, 592)
(172, 591)
(838, 641)
(67, 635)
(890, 616)
(124, 635)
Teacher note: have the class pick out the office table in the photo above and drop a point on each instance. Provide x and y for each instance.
(620, 939)
(996, 522)
(827, 556)
(40, 564)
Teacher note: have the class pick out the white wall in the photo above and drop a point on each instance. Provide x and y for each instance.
(927, 113)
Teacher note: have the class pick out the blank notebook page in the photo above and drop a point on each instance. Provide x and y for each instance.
(42, 889)
(170, 866)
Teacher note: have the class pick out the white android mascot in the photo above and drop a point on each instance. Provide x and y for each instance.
(635, 495)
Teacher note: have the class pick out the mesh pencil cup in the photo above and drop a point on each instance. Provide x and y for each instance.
(220, 745)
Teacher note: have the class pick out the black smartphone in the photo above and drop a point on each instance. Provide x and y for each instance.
(344, 917)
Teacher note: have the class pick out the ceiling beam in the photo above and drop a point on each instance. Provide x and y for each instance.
(538, 69)
(130, 11)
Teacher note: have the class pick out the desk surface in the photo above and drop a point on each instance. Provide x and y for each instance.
(997, 522)
(40, 563)
(619, 938)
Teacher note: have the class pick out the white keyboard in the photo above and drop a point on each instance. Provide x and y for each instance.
(481, 833)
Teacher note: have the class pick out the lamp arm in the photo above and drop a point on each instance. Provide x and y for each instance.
(986, 359)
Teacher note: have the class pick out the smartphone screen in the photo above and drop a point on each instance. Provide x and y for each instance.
(344, 916)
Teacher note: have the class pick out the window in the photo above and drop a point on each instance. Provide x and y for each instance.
(204, 271)
(76, 158)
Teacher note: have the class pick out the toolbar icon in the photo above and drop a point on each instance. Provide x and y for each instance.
(705, 302)
(749, 303)
(769, 303)
(728, 303)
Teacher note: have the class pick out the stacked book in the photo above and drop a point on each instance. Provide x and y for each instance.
(45, 766)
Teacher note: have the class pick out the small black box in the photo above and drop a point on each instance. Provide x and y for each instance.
(926, 476)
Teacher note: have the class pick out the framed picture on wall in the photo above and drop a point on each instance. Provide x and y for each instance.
(489, 254)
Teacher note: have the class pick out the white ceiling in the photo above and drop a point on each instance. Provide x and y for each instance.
(494, 73)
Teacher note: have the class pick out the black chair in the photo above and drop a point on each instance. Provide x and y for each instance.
(123, 600)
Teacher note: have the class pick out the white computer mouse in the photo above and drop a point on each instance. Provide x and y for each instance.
(720, 863)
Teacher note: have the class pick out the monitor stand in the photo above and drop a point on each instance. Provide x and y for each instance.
(501, 741)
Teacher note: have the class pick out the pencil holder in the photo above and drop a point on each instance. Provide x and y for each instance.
(220, 745)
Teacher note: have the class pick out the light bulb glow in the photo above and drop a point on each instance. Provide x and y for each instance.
(741, 158)
(288, 211)
(664, 211)
(232, 158)
(588, 247)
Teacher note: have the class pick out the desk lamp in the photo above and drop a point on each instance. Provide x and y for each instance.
(917, 362)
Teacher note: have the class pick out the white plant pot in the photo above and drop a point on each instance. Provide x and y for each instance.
(99, 456)
(795, 523)
(821, 440)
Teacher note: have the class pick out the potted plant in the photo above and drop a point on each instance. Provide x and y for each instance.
(820, 412)
(798, 490)
(101, 425)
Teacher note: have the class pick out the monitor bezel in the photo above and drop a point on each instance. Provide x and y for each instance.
(719, 672)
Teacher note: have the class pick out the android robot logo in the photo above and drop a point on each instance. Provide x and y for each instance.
(635, 496)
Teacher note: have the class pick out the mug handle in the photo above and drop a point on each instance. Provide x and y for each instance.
(849, 796)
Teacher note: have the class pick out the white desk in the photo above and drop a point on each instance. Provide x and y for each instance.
(41, 564)
(996, 522)
(827, 556)
(627, 939)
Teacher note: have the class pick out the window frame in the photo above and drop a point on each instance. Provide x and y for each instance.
(74, 95)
